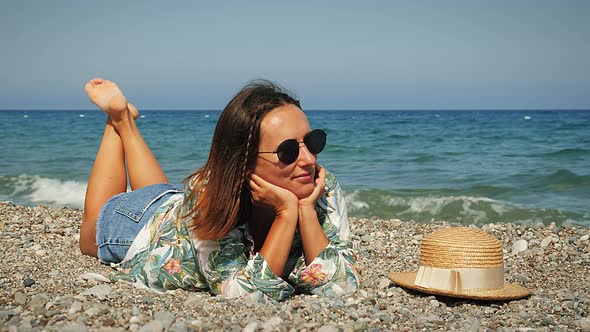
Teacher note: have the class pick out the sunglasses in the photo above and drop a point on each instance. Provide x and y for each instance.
(288, 151)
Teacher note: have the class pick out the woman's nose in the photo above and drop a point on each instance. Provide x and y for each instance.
(306, 156)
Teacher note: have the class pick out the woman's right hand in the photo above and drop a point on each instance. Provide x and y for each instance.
(266, 193)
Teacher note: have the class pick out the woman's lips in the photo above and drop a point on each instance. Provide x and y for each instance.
(305, 177)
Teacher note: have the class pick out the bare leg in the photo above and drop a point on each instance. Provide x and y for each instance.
(108, 176)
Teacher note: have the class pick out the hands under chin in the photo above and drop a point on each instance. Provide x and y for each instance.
(265, 193)
(281, 199)
(319, 188)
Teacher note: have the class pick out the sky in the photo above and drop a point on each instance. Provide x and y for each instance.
(337, 55)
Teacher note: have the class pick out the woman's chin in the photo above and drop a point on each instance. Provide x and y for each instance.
(304, 191)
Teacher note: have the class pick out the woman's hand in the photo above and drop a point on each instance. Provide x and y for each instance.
(266, 193)
(319, 188)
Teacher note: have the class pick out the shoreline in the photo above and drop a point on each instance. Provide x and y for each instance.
(40, 288)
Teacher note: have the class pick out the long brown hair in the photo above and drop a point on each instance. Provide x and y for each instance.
(219, 200)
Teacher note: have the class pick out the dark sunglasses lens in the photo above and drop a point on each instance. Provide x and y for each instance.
(315, 141)
(288, 151)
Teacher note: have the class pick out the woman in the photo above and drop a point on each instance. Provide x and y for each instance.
(260, 219)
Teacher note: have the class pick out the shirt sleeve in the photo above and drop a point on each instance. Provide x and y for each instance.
(161, 258)
(334, 271)
(229, 272)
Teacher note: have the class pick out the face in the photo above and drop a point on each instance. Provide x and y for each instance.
(282, 123)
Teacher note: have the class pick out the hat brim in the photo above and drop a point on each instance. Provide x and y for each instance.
(507, 292)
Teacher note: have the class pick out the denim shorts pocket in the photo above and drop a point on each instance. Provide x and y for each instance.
(134, 204)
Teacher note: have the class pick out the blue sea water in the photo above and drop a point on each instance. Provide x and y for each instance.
(461, 166)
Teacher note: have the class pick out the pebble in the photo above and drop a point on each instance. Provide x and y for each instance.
(366, 238)
(75, 307)
(584, 324)
(153, 326)
(251, 327)
(165, 318)
(546, 241)
(384, 283)
(28, 282)
(519, 246)
(584, 238)
(328, 328)
(434, 303)
(99, 291)
(92, 311)
(74, 327)
(39, 300)
(560, 301)
(20, 298)
(271, 323)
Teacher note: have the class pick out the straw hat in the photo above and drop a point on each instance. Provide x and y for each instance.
(461, 262)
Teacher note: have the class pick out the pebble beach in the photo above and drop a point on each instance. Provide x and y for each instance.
(41, 288)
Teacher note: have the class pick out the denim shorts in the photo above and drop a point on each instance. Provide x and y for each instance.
(124, 215)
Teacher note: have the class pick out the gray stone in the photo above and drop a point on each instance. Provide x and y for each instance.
(360, 325)
(165, 318)
(518, 246)
(366, 238)
(99, 291)
(20, 298)
(74, 327)
(192, 299)
(91, 312)
(28, 282)
(584, 238)
(5, 314)
(153, 326)
(75, 307)
(251, 327)
(178, 327)
(546, 241)
(384, 283)
(39, 300)
(328, 328)
(475, 326)
(25, 327)
(272, 323)
(13, 321)
(584, 324)
(52, 313)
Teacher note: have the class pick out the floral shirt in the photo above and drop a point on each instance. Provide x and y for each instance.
(164, 256)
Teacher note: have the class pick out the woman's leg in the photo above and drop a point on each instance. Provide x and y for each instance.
(107, 178)
(121, 140)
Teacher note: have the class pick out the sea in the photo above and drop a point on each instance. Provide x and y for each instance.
(470, 167)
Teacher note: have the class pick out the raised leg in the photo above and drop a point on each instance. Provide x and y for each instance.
(107, 178)
(121, 141)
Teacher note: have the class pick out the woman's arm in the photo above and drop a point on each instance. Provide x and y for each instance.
(279, 239)
(312, 236)
(333, 271)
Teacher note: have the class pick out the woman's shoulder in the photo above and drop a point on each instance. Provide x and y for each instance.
(332, 185)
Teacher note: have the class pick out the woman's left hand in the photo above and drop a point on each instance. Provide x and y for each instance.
(319, 188)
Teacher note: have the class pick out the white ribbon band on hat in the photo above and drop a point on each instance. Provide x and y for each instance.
(455, 280)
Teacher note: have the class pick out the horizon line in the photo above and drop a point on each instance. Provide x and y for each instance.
(324, 110)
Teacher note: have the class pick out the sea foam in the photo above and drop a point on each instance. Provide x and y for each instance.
(35, 189)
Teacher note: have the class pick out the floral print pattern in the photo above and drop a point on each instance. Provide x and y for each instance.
(164, 257)
(313, 275)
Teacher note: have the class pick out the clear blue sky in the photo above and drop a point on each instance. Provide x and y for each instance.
(332, 54)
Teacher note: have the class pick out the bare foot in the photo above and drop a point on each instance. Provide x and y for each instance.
(109, 98)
